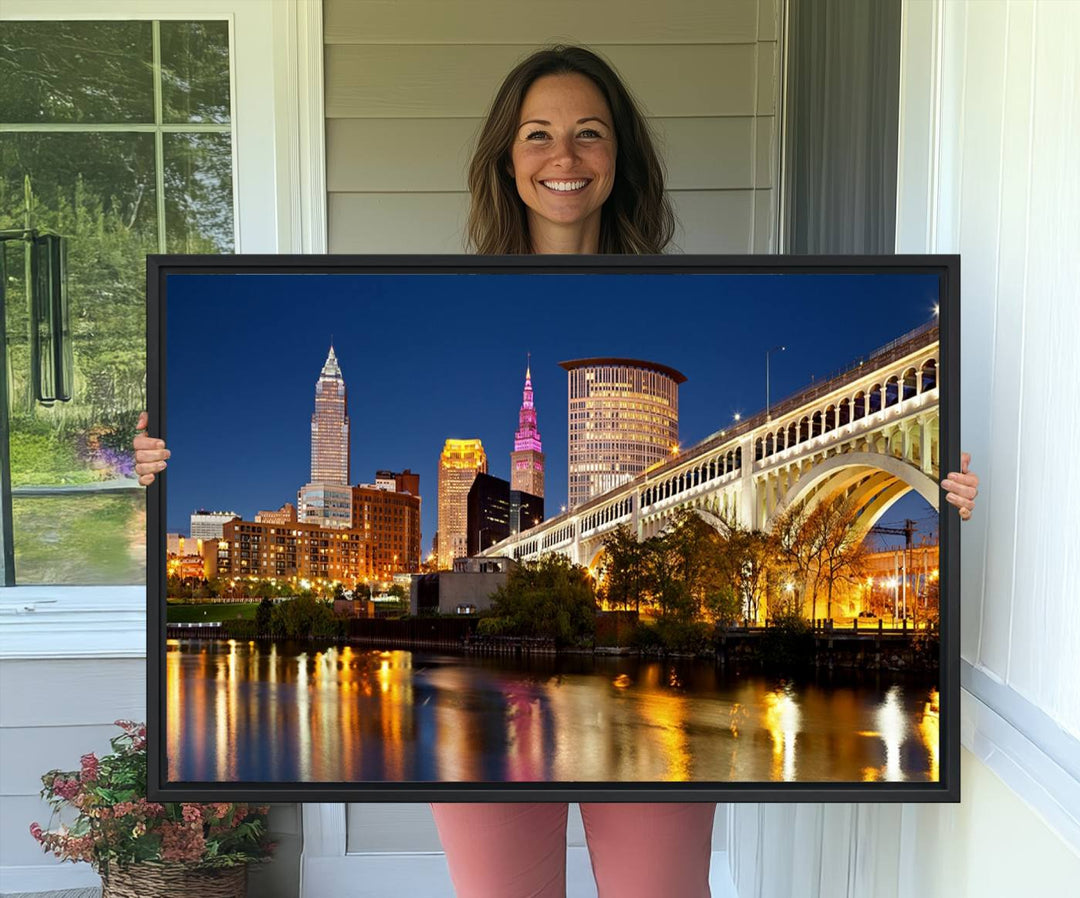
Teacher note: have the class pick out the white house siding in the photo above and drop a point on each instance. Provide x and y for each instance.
(407, 85)
(989, 143)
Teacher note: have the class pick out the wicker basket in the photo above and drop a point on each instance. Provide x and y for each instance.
(148, 880)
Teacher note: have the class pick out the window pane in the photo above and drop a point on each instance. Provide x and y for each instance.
(83, 539)
(195, 72)
(98, 191)
(76, 72)
(198, 193)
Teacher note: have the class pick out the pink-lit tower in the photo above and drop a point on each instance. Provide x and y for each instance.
(330, 426)
(527, 459)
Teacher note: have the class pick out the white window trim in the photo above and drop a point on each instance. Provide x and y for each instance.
(279, 164)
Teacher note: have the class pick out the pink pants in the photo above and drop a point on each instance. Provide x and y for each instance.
(501, 850)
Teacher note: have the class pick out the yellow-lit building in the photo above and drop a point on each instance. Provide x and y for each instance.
(284, 515)
(460, 462)
(184, 557)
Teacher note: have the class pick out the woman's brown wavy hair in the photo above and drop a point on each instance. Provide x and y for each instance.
(637, 216)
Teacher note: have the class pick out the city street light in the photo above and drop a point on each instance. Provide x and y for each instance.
(767, 354)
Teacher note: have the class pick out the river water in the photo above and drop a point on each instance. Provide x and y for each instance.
(281, 712)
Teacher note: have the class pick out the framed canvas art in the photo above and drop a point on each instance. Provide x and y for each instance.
(587, 528)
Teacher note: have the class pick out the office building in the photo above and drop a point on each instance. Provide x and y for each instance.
(208, 524)
(526, 510)
(623, 417)
(326, 500)
(284, 515)
(405, 482)
(488, 513)
(460, 462)
(330, 426)
(325, 505)
(390, 521)
(496, 512)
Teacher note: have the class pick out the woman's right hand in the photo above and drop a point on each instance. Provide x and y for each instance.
(150, 453)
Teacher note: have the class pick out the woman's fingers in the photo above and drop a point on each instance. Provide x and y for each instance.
(964, 506)
(961, 487)
(966, 485)
(150, 452)
(147, 454)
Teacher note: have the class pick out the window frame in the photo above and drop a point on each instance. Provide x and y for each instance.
(276, 60)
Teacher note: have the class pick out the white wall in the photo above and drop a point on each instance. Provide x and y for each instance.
(989, 150)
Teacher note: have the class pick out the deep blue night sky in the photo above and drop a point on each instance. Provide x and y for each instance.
(426, 357)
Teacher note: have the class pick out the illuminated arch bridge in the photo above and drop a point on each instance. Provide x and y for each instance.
(869, 433)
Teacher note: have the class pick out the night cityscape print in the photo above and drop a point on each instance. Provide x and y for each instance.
(633, 528)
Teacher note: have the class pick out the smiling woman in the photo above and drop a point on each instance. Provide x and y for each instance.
(560, 118)
(563, 162)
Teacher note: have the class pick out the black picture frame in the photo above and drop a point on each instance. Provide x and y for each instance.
(945, 789)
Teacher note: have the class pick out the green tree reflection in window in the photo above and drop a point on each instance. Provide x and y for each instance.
(123, 132)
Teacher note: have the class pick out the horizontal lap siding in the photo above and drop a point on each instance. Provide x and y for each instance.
(460, 81)
(423, 155)
(54, 711)
(405, 22)
(408, 83)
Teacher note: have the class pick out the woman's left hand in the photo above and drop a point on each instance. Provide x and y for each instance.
(962, 487)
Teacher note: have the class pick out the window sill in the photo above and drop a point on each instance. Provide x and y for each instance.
(73, 622)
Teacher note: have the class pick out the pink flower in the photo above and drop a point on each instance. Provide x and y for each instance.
(146, 808)
(181, 842)
(36, 832)
(192, 813)
(65, 788)
(89, 767)
(123, 808)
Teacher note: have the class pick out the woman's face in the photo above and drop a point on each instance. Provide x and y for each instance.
(563, 154)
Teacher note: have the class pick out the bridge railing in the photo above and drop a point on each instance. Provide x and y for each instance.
(880, 356)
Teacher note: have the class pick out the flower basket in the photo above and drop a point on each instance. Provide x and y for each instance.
(143, 848)
(174, 881)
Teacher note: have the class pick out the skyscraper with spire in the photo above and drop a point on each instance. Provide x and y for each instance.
(527, 459)
(326, 500)
(330, 426)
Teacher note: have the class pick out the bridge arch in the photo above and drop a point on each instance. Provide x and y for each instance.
(869, 477)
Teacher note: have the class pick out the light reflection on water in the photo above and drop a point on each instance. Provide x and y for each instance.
(241, 711)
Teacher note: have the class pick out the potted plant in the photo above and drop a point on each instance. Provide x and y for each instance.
(141, 847)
